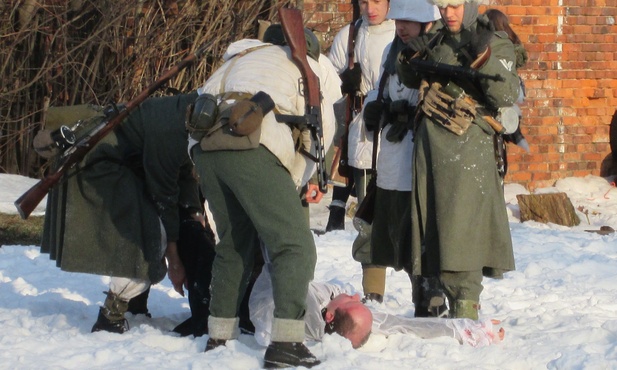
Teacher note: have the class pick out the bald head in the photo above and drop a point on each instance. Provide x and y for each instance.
(348, 317)
(362, 322)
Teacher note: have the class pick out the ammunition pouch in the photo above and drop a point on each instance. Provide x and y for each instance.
(238, 124)
(449, 106)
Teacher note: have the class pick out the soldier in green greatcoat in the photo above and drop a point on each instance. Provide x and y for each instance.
(460, 229)
(117, 213)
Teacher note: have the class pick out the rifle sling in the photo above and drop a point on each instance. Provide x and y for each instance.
(382, 86)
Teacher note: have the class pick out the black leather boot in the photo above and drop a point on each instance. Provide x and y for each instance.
(196, 251)
(139, 305)
(336, 219)
(214, 343)
(111, 315)
(428, 298)
(289, 354)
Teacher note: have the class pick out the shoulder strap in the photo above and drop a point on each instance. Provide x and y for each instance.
(357, 28)
(382, 86)
(233, 60)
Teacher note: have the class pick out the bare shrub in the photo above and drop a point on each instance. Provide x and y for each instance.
(67, 52)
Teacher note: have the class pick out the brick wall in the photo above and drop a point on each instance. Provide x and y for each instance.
(570, 79)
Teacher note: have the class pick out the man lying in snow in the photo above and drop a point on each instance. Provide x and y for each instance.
(332, 310)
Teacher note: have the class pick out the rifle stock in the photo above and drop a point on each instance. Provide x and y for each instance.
(28, 201)
(293, 29)
(342, 166)
(291, 20)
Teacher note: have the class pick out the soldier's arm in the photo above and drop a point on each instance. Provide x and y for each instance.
(502, 61)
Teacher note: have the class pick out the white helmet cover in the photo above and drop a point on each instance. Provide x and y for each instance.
(445, 3)
(421, 11)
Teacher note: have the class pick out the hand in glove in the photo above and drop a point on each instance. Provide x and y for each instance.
(351, 79)
(373, 111)
(419, 44)
(401, 118)
(482, 37)
(396, 133)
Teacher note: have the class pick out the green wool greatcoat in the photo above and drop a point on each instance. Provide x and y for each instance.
(459, 219)
(106, 218)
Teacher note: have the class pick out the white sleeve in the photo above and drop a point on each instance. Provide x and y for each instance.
(475, 333)
(338, 50)
(465, 331)
(318, 297)
(424, 328)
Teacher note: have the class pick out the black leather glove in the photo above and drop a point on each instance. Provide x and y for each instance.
(351, 79)
(482, 37)
(419, 44)
(397, 133)
(402, 119)
(373, 111)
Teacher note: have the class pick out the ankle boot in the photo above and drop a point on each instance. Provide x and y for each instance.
(289, 354)
(199, 303)
(336, 219)
(214, 343)
(435, 298)
(372, 297)
(139, 305)
(463, 308)
(428, 297)
(111, 315)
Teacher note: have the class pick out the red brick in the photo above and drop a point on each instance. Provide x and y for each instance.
(571, 81)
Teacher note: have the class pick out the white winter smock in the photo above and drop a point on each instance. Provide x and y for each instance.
(245, 75)
(369, 51)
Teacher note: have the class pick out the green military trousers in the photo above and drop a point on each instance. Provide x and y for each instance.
(251, 197)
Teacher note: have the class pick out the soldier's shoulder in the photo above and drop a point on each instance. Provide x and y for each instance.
(501, 34)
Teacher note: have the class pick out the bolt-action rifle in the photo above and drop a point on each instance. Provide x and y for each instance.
(75, 153)
(340, 162)
(293, 29)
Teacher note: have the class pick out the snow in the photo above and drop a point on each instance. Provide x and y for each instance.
(559, 308)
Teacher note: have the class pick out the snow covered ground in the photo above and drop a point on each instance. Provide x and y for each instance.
(559, 308)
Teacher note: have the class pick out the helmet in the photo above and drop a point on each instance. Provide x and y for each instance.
(416, 11)
(274, 35)
(445, 3)
(312, 44)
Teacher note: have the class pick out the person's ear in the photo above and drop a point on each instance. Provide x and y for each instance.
(329, 316)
